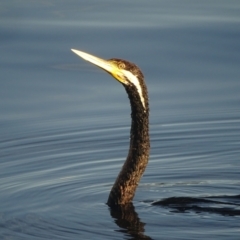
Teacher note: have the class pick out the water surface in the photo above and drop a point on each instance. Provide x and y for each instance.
(64, 124)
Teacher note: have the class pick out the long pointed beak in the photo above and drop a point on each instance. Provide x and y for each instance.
(105, 65)
(108, 66)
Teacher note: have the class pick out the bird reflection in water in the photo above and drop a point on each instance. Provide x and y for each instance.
(128, 221)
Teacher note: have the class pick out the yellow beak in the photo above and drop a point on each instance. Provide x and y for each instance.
(108, 66)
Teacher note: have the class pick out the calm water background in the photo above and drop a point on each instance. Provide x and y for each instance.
(64, 124)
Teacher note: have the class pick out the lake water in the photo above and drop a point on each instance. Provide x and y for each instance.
(64, 124)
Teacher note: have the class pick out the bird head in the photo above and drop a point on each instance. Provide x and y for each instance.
(125, 72)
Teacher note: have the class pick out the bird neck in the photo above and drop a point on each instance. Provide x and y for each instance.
(127, 181)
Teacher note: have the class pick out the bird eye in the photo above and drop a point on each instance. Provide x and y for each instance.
(121, 65)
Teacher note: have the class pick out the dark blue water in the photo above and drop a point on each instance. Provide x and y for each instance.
(64, 124)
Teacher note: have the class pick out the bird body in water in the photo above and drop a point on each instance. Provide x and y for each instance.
(131, 77)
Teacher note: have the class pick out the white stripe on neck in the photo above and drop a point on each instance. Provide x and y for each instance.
(134, 80)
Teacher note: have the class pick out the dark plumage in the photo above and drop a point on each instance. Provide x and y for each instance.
(132, 79)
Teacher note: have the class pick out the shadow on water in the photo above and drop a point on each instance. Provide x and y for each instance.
(130, 224)
(223, 205)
